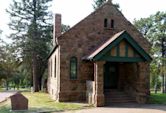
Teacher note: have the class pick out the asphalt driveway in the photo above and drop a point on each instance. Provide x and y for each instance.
(125, 108)
(5, 95)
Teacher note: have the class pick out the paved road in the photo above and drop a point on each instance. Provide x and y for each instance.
(127, 108)
(5, 95)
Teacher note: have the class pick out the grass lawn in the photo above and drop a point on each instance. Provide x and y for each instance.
(41, 102)
(1, 89)
(157, 98)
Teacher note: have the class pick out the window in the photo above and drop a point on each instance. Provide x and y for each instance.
(112, 23)
(73, 68)
(55, 67)
(51, 68)
(108, 24)
(105, 23)
(52, 92)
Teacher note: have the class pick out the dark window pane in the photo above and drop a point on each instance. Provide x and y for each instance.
(73, 68)
(55, 68)
(105, 22)
(112, 23)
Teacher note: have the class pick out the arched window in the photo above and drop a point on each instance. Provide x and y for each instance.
(73, 68)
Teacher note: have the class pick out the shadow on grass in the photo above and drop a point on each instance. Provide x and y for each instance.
(5, 109)
(42, 103)
(158, 98)
(59, 107)
(156, 101)
(161, 107)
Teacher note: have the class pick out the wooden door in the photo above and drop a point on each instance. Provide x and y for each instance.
(110, 75)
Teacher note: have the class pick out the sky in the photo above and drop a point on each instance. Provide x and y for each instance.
(75, 10)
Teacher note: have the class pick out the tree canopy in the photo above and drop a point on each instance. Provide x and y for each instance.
(99, 3)
(31, 22)
(154, 29)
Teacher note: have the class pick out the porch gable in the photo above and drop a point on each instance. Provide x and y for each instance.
(120, 48)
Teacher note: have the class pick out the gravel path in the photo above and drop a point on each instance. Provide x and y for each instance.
(125, 108)
(5, 95)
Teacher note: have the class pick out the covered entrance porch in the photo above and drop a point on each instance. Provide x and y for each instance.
(120, 82)
(119, 64)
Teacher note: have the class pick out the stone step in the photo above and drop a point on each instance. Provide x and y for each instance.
(118, 98)
(114, 93)
(115, 96)
(122, 97)
(120, 101)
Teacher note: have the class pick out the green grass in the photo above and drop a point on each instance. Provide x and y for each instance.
(1, 89)
(40, 102)
(157, 98)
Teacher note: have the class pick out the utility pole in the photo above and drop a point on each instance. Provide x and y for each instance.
(163, 42)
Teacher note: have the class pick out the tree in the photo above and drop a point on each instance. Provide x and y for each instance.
(154, 29)
(32, 34)
(99, 3)
(8, 63)
(65, 28)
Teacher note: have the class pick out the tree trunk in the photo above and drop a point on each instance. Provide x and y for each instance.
(164, 83)
(162, 88)
(35, 76)
(164, 74)
(34, 57)
(155, 88)
(41, 70)
(7, 84)
(31, 82)
(40, 82)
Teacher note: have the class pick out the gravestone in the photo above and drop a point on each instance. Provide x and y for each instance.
(19, 102)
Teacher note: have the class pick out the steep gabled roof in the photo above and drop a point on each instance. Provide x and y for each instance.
(79, 23)
(114, 41)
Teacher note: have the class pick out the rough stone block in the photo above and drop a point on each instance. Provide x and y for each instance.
(19, 102)
(99, 100)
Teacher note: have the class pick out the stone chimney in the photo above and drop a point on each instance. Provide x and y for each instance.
(57, 28)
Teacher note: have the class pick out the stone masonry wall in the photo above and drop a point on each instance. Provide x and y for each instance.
(53, 75)
(83, 38)
(131, 76)
(142, 84)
